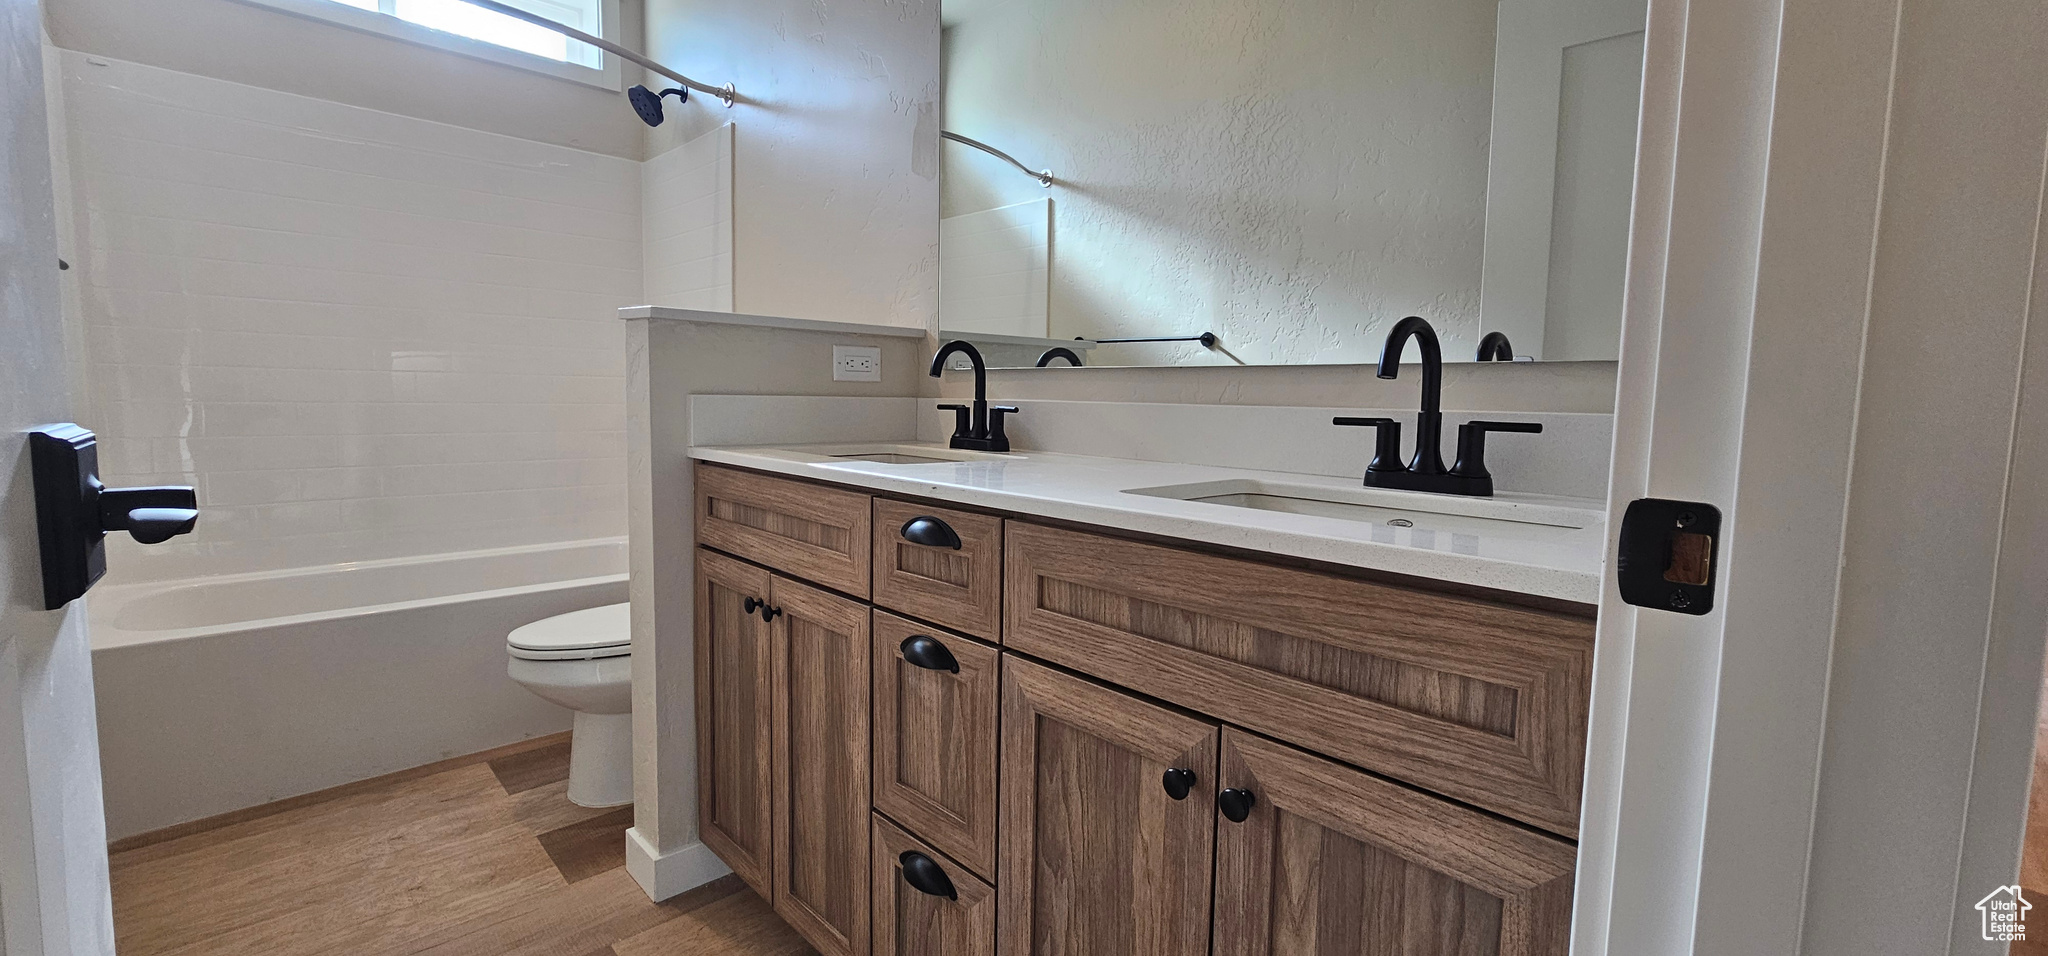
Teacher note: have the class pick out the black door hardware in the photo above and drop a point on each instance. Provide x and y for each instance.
(925, 876)
(931, 532)
(929, 654)
(1667, 554)
(1236, 804)
(1426, 471)
(979, 426)
(753, 604)
(1178, 782)
(74, 511)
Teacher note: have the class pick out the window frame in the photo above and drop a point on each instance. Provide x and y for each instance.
(611, 77)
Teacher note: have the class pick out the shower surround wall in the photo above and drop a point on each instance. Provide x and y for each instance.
(361, 335)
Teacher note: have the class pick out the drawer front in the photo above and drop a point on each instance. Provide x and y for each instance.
(1328, 853)
(940, 565)
(1485, 703)
(925, 904)
(808, 531)
(936, 696)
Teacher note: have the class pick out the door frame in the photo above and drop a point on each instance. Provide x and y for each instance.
(1781, 231)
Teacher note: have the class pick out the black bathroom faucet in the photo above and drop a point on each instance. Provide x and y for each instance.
(1426, 472)
(979, 427)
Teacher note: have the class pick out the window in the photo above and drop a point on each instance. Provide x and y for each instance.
(486, 34)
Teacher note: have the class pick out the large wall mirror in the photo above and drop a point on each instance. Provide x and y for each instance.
(1277, 182)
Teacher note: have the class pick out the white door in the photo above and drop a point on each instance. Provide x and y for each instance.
(53, 853)
(1834, 261)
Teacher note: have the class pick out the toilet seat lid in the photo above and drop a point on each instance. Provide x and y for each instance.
(591, 629)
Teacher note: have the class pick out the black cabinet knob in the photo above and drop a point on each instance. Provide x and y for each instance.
(752, 604)
(931, 532)
(929, 654)
(1236, 804)
(924, 875)
(1178, 782)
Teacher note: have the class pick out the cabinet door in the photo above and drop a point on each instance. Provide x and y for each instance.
(935, 737)
(734, 661)
(918, 914)
(821, 767)
(1332, 860)
(1097, 856)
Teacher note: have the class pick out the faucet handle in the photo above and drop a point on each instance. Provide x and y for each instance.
(1472, 448)
(1386, 455)
(995, 422)
(963, 420)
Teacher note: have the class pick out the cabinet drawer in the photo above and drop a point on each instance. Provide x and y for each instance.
(940, 565)
(1478, 701)
(916, 914)
(809, 531)
(935, 697)
(1327, 853)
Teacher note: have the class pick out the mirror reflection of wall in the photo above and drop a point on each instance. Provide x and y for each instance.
(1293, 176)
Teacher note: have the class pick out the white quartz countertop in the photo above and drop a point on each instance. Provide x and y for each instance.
(1528, 544)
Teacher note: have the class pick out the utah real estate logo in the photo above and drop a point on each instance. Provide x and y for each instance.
(2005, 914)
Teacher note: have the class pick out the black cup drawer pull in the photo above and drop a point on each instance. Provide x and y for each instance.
(931, 532)
(1236, 804)
(925, 876)
(1178, 781)
(929, 654)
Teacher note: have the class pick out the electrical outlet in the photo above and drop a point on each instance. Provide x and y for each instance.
(854, 363)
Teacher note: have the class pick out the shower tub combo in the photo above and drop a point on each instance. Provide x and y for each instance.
(226, 692)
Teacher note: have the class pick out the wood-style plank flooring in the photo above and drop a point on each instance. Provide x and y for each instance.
(483, 857)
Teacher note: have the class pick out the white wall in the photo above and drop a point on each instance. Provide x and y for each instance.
(992, 274)
(835, 149)
(1293, 175)
(360, 334)
(264, 47)
(686, 224)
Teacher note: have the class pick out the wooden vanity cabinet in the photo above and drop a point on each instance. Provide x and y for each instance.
(820, 707)
(734, 668)
(1097, 855)
(896, 781)
(1333, 860)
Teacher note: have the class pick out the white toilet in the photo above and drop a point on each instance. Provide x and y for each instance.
(583, 661)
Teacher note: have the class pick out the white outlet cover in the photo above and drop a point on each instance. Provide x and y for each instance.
(856, 363)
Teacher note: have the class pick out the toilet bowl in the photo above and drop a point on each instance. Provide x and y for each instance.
(583, 661)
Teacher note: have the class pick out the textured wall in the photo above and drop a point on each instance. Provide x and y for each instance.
(359, 334)
(835, 204)
(1293, 175)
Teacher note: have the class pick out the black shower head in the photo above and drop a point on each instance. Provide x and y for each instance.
(647, 103)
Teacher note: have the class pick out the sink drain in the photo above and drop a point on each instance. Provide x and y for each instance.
(1400, 523)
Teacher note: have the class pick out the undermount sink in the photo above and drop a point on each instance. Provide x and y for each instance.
(891, 458)
(899, 453)
(1399, 512)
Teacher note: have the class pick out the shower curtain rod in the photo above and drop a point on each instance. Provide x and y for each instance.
(1044, 176)
(726, 93)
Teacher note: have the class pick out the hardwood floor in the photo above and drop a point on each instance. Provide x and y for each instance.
(480, 857)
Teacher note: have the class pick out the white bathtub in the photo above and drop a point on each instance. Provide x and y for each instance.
(226, 692)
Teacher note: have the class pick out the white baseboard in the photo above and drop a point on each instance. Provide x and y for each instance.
(665, 875)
